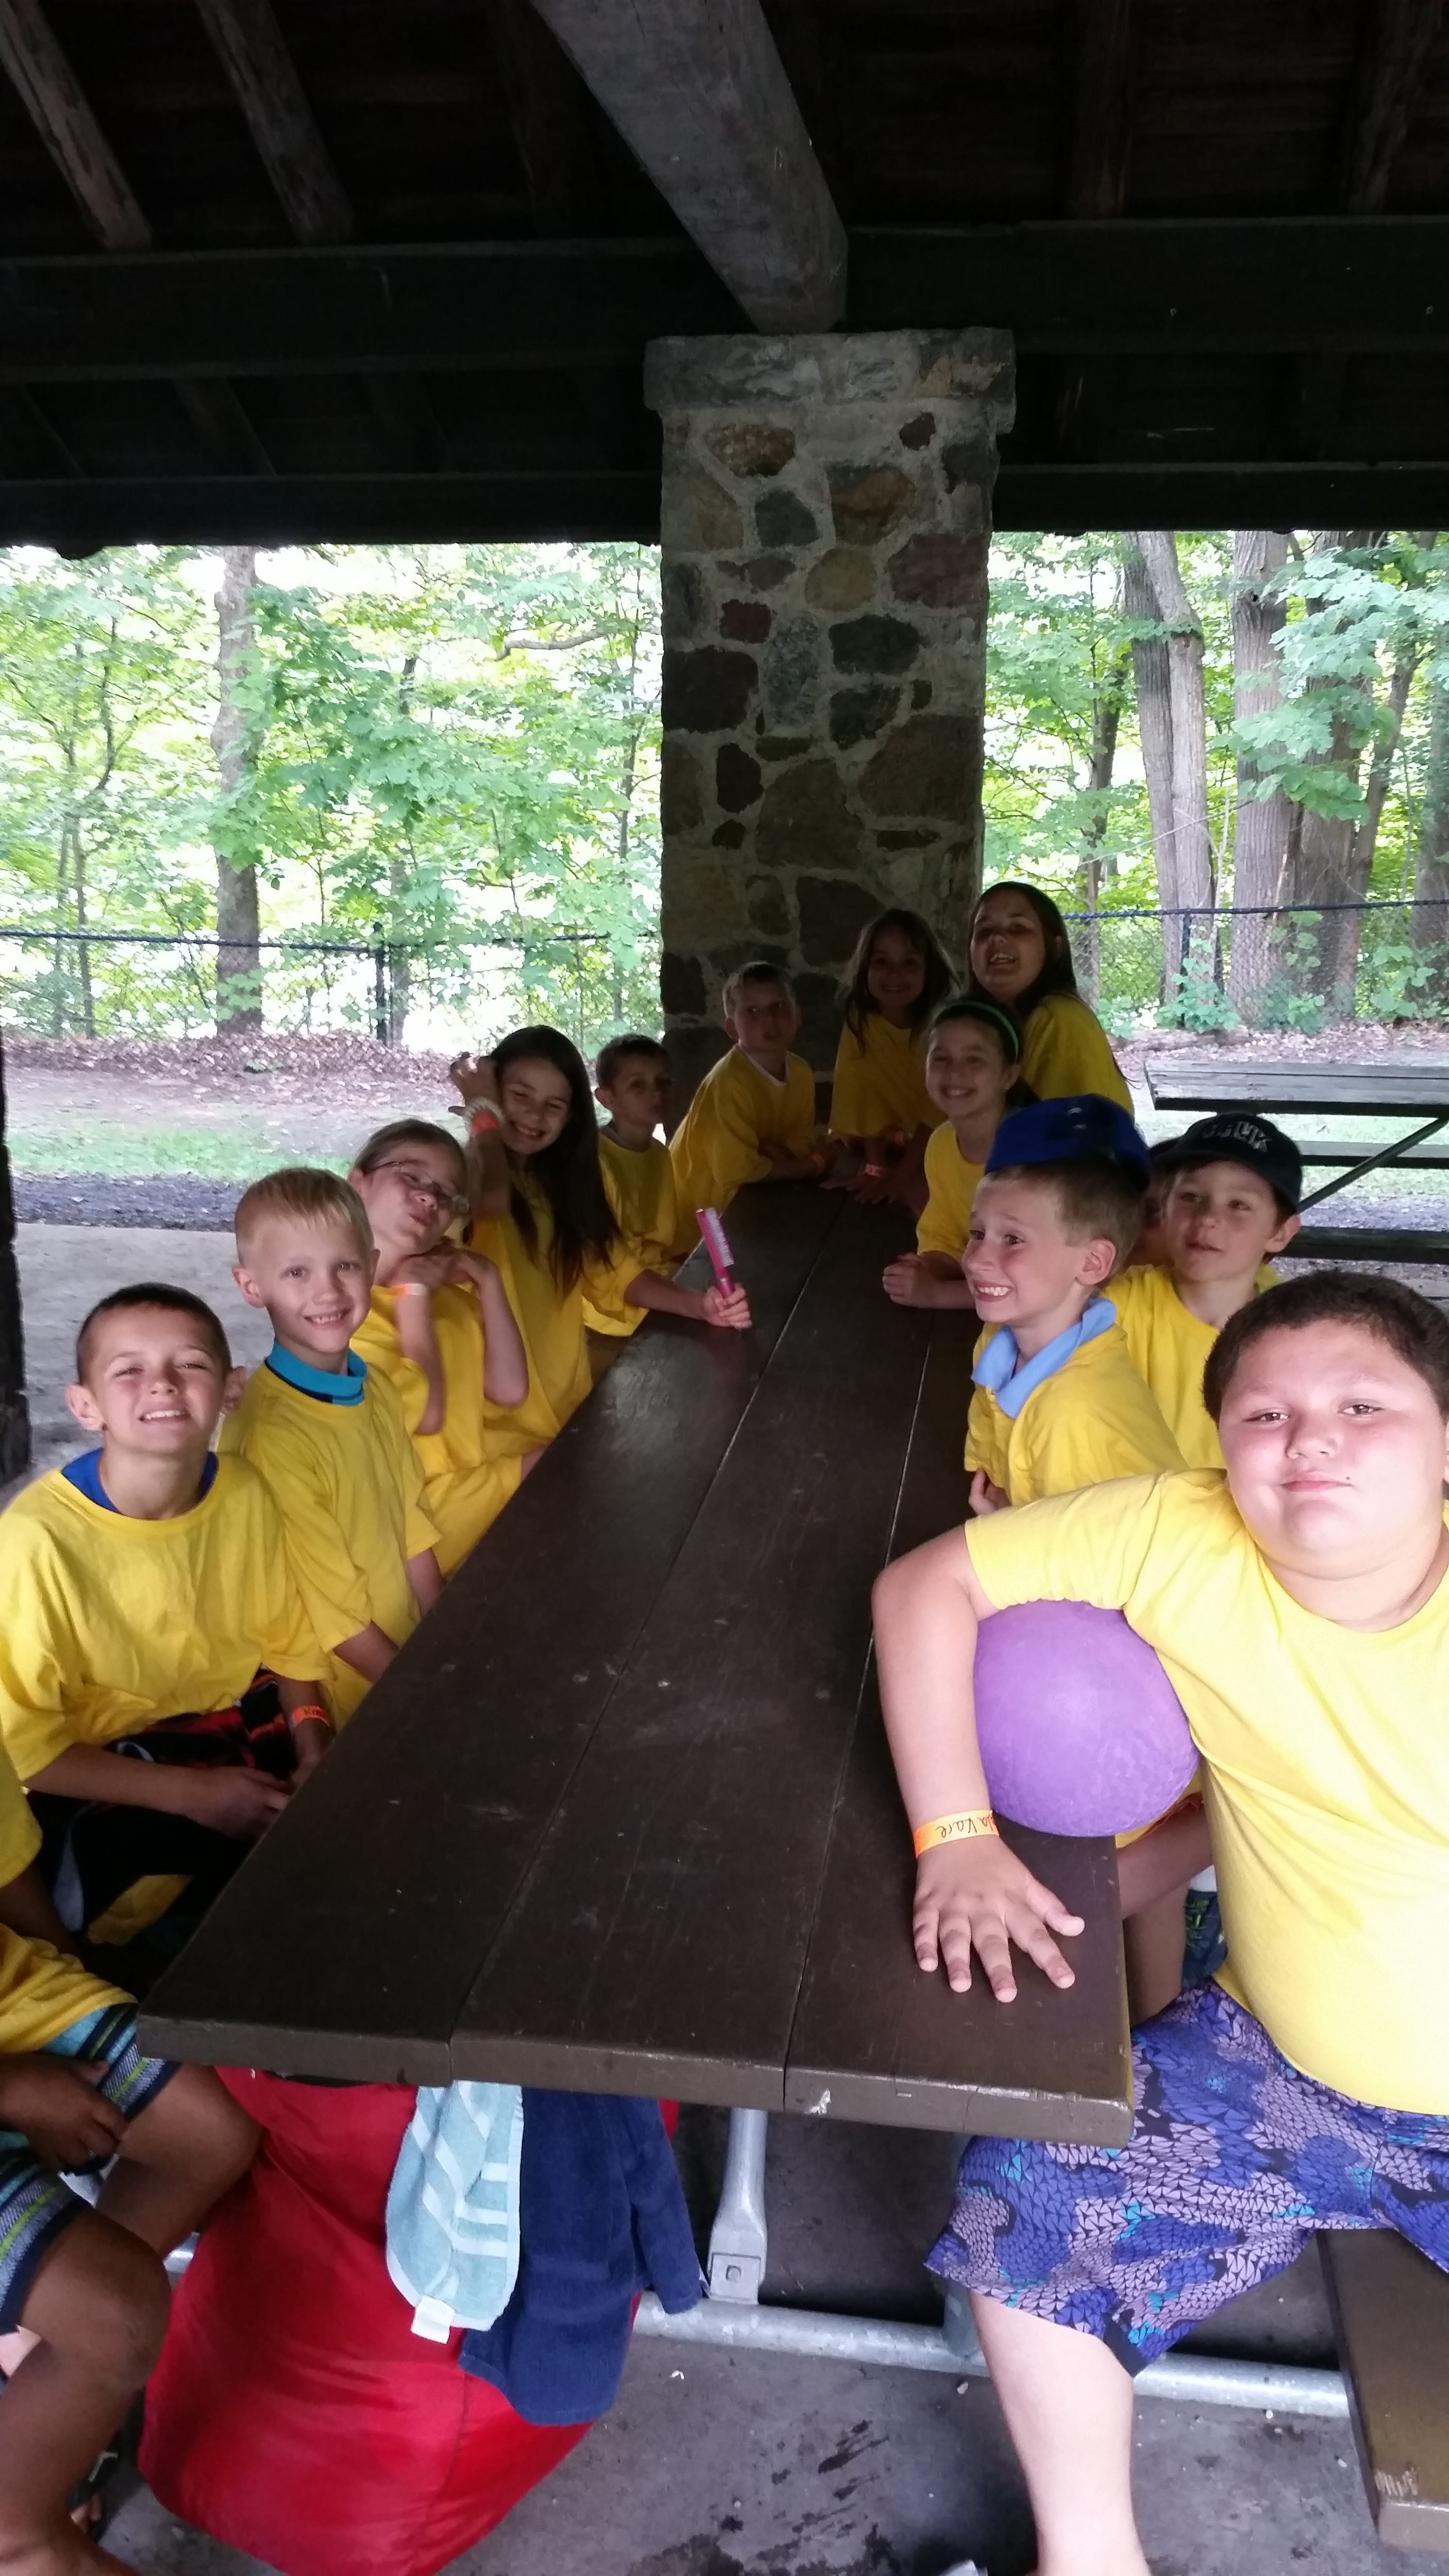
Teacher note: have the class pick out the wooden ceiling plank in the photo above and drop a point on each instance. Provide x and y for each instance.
(699, 93)
(1099, 159)
(271, 97)
(223, 424)
(549, 117)
(62, 117)
(1387, 89)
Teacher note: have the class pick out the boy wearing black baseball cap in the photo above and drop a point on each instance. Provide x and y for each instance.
(1233, 1184)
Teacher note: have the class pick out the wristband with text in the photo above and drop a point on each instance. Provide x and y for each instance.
(313, 1709)
(953, 1829)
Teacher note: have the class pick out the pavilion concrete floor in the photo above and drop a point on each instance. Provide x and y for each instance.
(717, 2465)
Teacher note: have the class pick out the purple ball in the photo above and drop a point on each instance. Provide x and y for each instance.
(1081, 1731)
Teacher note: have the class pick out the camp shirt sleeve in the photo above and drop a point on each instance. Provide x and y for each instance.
(19, 1832)
(1067, 1052)
(37, 1647)
(1088, 1546)
(852, 1106)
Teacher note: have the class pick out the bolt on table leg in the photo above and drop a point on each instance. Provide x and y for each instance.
(739, 2239)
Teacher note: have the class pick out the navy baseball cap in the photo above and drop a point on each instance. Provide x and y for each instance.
(1068, 1131)
(1236, 1136)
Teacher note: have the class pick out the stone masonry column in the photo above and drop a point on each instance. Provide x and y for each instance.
(826, 519)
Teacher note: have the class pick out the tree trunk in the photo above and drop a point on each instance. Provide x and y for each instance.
(1260, 840)
(1323, 875)
(1154, 728)
(1190, 838)
(14, 1411)
(238, 911)
(1106, 722)
(1431, 851)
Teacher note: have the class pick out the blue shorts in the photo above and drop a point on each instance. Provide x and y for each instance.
(1235, 2160)
(35, 2205)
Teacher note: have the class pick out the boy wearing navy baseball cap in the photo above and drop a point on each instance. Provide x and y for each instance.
(1231, 1185)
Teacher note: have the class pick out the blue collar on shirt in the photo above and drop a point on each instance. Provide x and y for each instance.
(85, 1474)
(329, 1386)
(1011, 1379)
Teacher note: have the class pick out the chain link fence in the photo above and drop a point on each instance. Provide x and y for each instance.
(1299, 967)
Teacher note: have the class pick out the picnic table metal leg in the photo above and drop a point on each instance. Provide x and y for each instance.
(1387, 1154)
(739, 2238)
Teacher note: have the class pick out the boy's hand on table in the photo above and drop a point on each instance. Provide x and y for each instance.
(909, 1281)
(985, 1497)
(242, 1803)
(730, 1308)
(978, 1895)
(52, 2101)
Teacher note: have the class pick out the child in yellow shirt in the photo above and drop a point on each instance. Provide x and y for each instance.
(1300, 1605)
(880, 1100)
(440, 1327)
(543, 1214)
(1020, 954)
(1231, 1187)
(634, 1082)
(327, 1437)
(973, 1059)
(89, 2283)
(753, 1116)
(146, 1588)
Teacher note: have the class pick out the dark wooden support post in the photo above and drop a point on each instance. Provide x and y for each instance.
(14, 1411)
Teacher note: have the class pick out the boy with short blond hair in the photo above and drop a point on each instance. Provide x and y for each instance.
(147, 1588)
(1300, 1603)
(326, 1434)
(753, 1116)
(1230, 1191)
(1058, 1403)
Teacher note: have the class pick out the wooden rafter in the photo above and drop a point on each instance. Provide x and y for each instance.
(1100, 151)
(549, 115)
(1387, 86)
(698, 91)
(278, 112)
(61, 115)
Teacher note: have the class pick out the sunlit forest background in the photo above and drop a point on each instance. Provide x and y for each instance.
(415, 790)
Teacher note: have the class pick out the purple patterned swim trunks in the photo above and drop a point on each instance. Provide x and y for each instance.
(1234, 2161)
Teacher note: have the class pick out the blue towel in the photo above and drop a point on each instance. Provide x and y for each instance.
(453, 2206)
(602, 2217)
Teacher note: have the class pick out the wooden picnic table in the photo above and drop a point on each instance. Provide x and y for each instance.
(1400, 1091)
(621, 1816)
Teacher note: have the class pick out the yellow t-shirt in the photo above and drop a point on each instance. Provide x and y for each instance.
(1327, 1769)
(715, 1148)
(1094, 1420)
(551, 1322)
(349, 1486)
(112, 1623)
(41, 1991)
(880, 1082)
(1066, 1051)
(1170, 1346)
(951, 1183)
(640, 1186)
(466, 1479)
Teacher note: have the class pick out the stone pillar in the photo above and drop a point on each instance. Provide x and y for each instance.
(826, 519)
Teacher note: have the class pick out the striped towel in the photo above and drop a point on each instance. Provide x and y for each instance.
(452, 2207)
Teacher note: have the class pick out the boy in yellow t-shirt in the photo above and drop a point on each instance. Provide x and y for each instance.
(973, 1058)
(634, 1082)
(1300, 1606)
(326, 1434)
(89, 2283)
(1058, 1402)
(146, 1588)
(1231, 1189)
(753, 1116)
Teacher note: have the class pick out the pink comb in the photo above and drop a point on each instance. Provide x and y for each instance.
(716, 1244)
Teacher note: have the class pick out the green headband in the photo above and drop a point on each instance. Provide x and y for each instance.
(966, 1007)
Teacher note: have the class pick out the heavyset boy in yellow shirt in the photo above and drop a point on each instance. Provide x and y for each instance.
(113, 1623)
(42, 1991)
(465, 1481)
(348, 1484)
(951, 1185)
(715, 1149)
(879, 1087)
(1095, 1419)
(1066, 1051)
(1327, 1773)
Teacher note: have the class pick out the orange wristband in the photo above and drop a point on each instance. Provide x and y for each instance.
(482, 1116)
(315, 1709)
(953, 1829)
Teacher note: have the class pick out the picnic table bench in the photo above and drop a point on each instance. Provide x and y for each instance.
(1402, 1091)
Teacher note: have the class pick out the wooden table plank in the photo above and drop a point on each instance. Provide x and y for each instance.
(874, 2038)
(660, 1941)
(1391, 2313)
(346, 1945)
(1331, 1090)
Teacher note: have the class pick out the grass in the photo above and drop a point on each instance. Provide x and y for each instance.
(207, 1154)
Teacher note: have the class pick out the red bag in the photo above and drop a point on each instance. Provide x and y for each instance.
(293, 2413)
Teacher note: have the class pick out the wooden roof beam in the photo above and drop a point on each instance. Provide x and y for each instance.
(1100, 156)
(62, 117)
(698, 91)
(278, 112)
(1386, 88)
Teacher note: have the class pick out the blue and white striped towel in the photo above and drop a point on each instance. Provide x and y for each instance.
(452, 2207)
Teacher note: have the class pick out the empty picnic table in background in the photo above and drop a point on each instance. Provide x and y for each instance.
(1416, 1093)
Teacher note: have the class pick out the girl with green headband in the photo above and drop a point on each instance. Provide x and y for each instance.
(973, 1070)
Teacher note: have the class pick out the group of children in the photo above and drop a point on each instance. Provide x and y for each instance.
(199, 1602)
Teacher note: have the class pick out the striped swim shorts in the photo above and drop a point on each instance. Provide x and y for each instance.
(35, 2204)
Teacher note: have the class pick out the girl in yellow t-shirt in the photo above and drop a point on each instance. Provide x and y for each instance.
(1020, 954)
(441, 1328)
(879, 1099)
(973, 1061)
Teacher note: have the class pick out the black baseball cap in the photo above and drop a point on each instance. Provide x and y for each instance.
(1236, 1136)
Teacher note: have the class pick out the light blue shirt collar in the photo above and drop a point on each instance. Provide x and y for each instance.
(1002, 1371)
(341, 1386)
